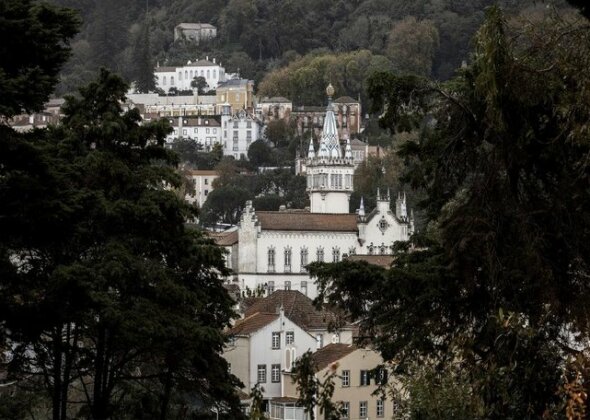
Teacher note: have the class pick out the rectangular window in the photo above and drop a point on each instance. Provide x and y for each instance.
(275, 373)
(365, 379)
(335, 255)
(261, 374)
(206, 192)
(304, 287)
(271, 287)
(345, 378)
(363, 409)
(287, 260)
(196, 130)
(276, 340)
(320, 255)
(345, 409)
(235, 125)
(380, 408)
(206, 181)
(289, 337)
(319, 339)
(206, 131)
(248, 135)
(271, 260)
(249, 124)
(303, 260)
(287, 285)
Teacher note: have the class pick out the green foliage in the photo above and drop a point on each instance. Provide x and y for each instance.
(224, 205)
(257, 406)
(199, 83)
(498, 279)
(101, 278)
(412, 46)
(260, 154)
(312, 390)
(30, 64)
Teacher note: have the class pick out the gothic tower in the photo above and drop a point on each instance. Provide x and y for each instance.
(330, 170)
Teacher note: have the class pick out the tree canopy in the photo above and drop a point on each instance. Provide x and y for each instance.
(498, 279)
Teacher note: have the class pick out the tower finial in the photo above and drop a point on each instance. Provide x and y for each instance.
(378, 194)
(310, 150)
(330, 91)
(362, 207)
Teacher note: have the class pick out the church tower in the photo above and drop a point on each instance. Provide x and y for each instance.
(330, 169)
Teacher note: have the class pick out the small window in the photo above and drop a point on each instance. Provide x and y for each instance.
(380, 408)
(345, 409)
(365, 378)
(271, 287)
(275, 373)
(290, 337)
(304, 287)
(276, 340)
(345, 378)
(206, 181)
(206, 192)
(319, 338)
(363, 409)
(287, 285)
(261, 374)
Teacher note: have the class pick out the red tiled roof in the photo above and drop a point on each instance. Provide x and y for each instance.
(252, 323)
(225, 238)
(297, 307)
(284, 220)
(202, 172)
(380, 260)
(331, 353)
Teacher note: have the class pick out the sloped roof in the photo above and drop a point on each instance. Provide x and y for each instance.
(224, 238)
(233, 82)
(295, 221)
(380, 260)
(165, 70)
(195, 26)
(202, 172)
(331, 353)
(297, 307)
(252, 323)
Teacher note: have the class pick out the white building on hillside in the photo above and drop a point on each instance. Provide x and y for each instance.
(202, 181)
(274, 247)
(240, 130)
(205, 130)
(195, 32)
(180, 77)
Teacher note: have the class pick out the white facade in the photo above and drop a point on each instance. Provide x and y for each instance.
(180, 77)
(248, 353)
(239, 131)
(204, 130)
(195, 32)
(202, 181)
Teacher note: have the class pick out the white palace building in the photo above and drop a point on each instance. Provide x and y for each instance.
(273, 247)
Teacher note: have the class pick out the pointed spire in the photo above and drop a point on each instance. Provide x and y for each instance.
(378, 194)
(330, 143)
(348, 152)
(310, 150)
(362, 207)
(388, 195)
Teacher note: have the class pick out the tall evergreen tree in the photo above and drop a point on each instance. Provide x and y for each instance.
(498, 282)
(143, 75)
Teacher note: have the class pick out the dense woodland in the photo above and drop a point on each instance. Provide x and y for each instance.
(256, 37)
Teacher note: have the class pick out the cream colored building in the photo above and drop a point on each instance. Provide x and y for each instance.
(357, 378)
(237, 93)
(203, 184)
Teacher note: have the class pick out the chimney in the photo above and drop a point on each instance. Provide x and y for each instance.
(213, 60)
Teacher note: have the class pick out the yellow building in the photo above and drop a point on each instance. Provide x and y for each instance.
(238, 93)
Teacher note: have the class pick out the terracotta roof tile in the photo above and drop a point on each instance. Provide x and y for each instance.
(224, 238)
(298, 308)
(346, 100)
(252, 323)
(331, 353)
(284, 220)
(380, 260)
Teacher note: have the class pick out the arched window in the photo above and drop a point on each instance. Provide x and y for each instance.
(335, 254)
(164, 81)
(179, 76)
(172, 80)
(287, 260)
(320, 254)
(303, 259)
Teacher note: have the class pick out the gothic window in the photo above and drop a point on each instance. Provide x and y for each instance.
(320, 254)
(186, 74)
(382, 249)
(287, 260)
(351, 251)
(303, 259)
(271, 260)
(371, 249)
(172, 80)
(164, 80)
(335, 254)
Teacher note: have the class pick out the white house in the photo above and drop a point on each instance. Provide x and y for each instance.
(205, 130)
(180, 77)
(195, 32)
(240, 130)
(274, 332)
(202, 181)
